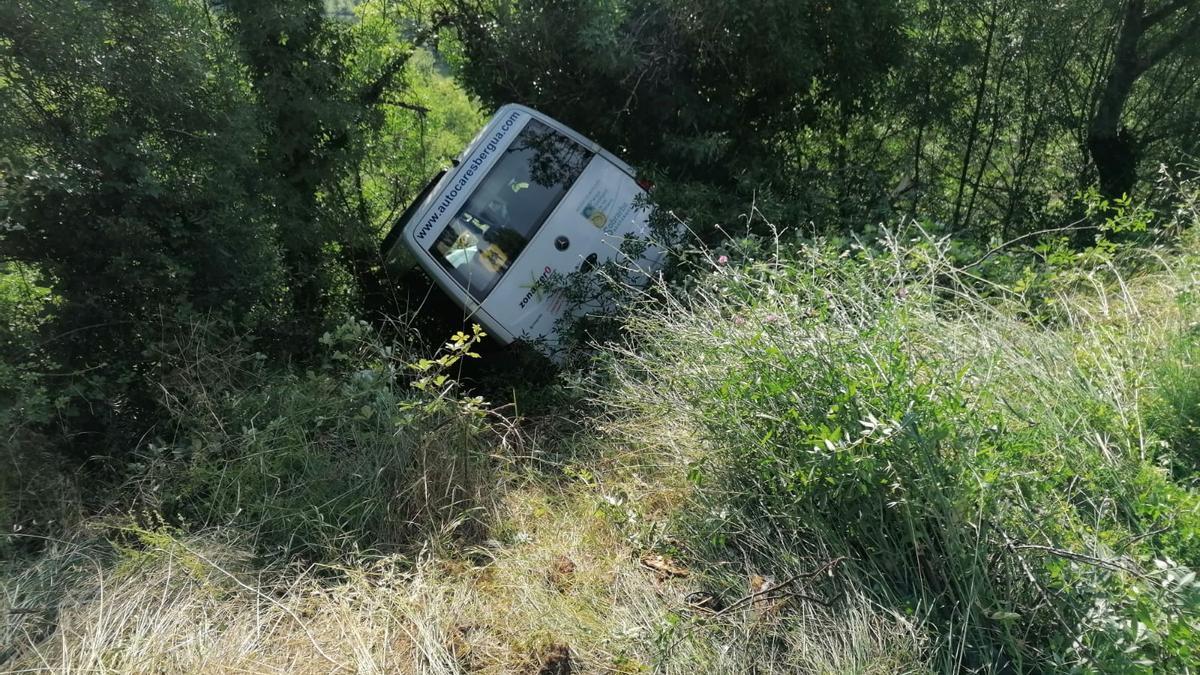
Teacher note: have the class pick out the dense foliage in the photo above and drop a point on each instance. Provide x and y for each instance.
(985, 116)
(716, 94)
(988, 424)
(131, 187)
(1011, 483)
(167, 164)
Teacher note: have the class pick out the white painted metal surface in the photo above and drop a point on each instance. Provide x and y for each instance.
(530, 200)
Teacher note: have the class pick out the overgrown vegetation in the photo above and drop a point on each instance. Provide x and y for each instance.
(917, 393)
(167, 163)
(982, 117)
(1007, 481)
(1001, 493)
(345, 457)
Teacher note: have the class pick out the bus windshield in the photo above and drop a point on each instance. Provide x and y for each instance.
(508, 207)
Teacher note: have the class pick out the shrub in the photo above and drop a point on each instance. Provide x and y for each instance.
(714, 98)
(317, 464)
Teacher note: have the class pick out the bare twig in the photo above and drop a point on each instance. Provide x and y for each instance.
(1131, 540)
(1073, 227)
(419, 109)
(1077, 557)
(778, 588)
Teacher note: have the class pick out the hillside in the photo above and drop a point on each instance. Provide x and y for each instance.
(826, 461)
(911, 388)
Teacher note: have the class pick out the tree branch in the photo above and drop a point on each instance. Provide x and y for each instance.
(1113, 565)
(1073, 227)
(1185, 34)
(778, 589)
(419, 109)
(1151, 19)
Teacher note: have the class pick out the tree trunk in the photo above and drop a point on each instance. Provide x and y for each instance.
(923, 119)
(1112, 147)
(976, 114)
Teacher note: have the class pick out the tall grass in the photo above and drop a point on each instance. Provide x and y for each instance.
(996, 476)
(986, 480)
(342, 458)
(266, 571)
(168, 601)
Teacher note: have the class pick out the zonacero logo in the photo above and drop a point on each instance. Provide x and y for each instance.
(465, 178)
(536, 285)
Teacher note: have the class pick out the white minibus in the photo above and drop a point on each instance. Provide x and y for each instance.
(528, 202)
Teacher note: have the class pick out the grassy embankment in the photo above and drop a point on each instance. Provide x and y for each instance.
(980, 481)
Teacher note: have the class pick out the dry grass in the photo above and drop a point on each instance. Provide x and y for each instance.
(554, 565)
(562, 570)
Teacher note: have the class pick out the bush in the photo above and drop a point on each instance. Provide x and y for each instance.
(128, 194)
(994, 477)
(713, 98)
(318, 464)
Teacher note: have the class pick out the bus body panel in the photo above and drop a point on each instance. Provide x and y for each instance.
(595, 216)
(601, 205)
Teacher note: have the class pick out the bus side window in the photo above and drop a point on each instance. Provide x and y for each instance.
(506, 209)
(496, 212)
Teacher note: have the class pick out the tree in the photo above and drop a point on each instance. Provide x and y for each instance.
(324, 88)
(128, 187)
(1146, 37)
(168, 163)
(715, 92)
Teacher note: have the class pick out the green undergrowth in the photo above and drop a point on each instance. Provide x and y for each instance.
(1024, 489)
(870, 460)
(365, 452)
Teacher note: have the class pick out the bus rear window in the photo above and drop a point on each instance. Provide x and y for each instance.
(508, 207)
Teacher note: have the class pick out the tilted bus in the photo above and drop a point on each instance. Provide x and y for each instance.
(529, 201)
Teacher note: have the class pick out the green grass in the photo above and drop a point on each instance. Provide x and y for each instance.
(1176, 413)
(1000, 480)
(1005, 479)
(340, 459)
